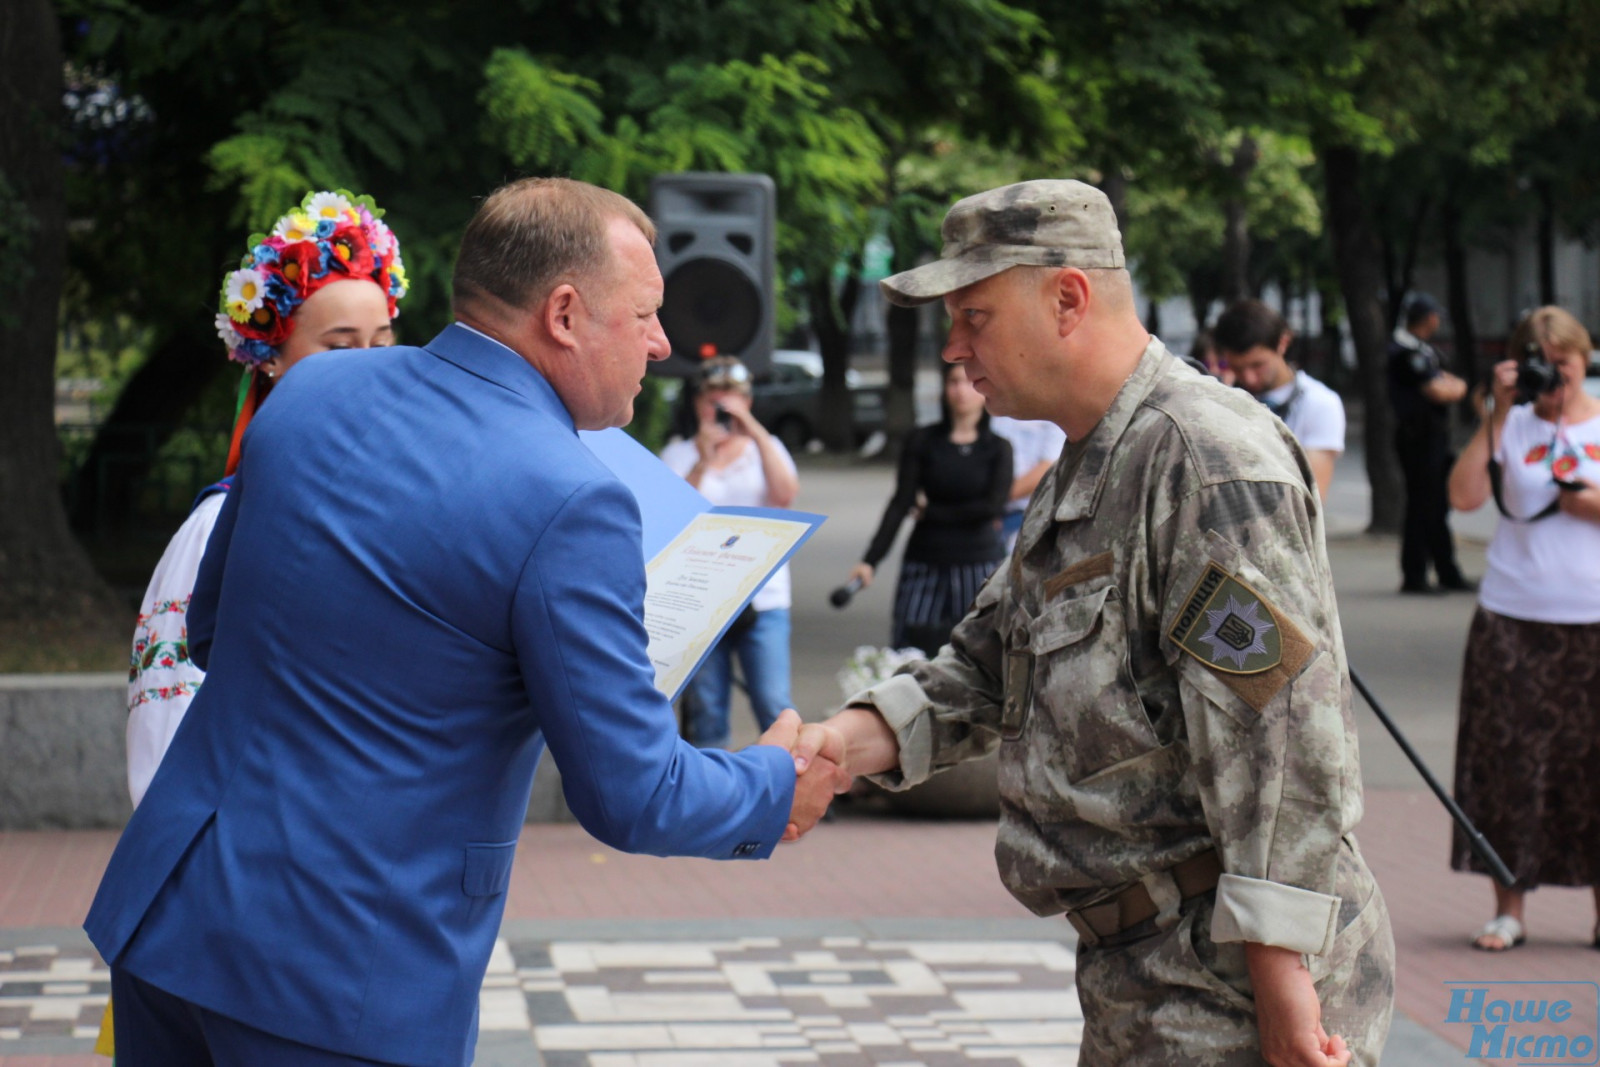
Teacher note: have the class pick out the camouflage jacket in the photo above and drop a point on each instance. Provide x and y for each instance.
(1160, 664)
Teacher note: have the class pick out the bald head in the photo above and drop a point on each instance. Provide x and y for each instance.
(1109, 291)
(1113, 288)
(532, 235)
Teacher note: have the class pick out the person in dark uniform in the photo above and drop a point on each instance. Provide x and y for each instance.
(1422, 392)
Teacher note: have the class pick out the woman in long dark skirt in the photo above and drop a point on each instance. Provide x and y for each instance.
(1528, 752)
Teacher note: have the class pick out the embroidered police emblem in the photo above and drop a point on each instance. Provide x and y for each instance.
(1227, 626)
(730, 542)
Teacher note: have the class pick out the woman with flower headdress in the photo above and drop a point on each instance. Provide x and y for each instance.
(329, 275)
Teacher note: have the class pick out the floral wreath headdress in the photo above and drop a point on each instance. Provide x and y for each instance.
(330, 237)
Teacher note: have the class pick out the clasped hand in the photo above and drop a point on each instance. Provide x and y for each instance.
(819, 752)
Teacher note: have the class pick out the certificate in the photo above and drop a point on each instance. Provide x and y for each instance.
(704, 563)
(698, 584)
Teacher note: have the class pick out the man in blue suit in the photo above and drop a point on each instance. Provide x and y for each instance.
(420, 579)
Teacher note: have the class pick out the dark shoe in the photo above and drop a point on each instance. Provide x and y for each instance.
(1459, 585)
(1423, 589)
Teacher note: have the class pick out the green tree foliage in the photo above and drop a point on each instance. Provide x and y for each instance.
(1174, 228)
(1204, 120)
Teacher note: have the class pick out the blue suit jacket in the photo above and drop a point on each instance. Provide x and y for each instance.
(420, 578)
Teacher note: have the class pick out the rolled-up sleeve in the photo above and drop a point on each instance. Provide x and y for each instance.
(1273, 748)
(946, 710)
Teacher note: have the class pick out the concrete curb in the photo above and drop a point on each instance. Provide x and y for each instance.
(63, 739)
(65, 744)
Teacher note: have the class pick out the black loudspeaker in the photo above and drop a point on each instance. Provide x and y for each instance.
(715, 243)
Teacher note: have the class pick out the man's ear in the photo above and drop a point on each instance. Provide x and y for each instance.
(1284, 341)
(559, 315)
(1069, 293)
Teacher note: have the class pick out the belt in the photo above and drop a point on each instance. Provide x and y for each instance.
(1133, 905)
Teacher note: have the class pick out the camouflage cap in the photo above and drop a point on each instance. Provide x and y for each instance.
(1046, 223)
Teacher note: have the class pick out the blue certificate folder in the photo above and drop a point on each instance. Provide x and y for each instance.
(667, 503)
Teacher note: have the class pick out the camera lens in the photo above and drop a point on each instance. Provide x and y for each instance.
(1536, 376)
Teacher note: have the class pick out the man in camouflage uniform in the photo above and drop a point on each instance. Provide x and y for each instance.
(1160, 665)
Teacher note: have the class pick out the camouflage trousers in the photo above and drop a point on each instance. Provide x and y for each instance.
(1176, 997)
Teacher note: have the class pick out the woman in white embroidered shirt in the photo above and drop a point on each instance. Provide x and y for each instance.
(328, 276)
(734, 461)
(1530, 689)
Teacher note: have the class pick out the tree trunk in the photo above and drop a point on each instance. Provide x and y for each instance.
(1202, 288)
(903, 325)
(901, 408)
(1408, 268)
(1400, 263)
(47, 584)
(1236, 223)
(1114, 183)
(1458, 297)
(1547, 243)
(1359, 264)
(830, 321)
(1329, 336)
(149, 410)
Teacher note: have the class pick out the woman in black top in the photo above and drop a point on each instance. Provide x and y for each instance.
(962, 472)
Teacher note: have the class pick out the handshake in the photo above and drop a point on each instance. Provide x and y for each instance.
(819, 751)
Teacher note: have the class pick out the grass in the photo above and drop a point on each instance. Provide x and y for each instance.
(56, 647)
(98, 642)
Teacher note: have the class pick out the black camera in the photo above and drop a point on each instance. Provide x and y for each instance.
(724, 417)
(1536, 376)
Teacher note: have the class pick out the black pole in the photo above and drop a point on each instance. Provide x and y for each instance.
(1479, 843)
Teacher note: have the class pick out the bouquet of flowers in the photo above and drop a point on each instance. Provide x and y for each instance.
(867, 666)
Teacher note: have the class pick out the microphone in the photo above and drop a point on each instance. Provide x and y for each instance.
(841, 596)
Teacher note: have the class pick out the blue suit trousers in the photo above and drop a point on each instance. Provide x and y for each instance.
(156, 1029)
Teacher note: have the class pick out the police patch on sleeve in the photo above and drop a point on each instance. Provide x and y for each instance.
(1231, 629)
(1227, 626)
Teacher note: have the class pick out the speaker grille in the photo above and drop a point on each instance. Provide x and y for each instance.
(710, 301)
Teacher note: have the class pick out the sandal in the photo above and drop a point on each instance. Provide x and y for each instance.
(1505, 927)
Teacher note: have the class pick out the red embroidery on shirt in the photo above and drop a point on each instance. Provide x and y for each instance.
(1536, 454)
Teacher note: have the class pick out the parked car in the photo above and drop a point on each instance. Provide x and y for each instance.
(788, 401)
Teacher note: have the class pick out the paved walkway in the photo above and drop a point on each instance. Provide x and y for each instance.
(877, 940)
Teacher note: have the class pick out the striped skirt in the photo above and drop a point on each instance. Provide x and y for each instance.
(931, 598)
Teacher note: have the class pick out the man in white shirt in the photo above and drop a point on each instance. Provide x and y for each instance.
(1035, 446)
(1254, 339)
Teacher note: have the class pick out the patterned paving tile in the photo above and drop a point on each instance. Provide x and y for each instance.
(48, 991)
(759, 1001)
(720, 1002)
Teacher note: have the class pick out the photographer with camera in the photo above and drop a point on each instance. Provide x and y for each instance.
(1422, 391)
(735, 462)
(1530, 699)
